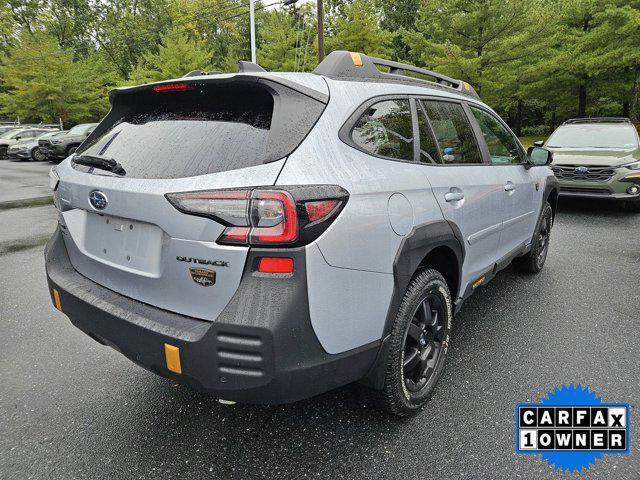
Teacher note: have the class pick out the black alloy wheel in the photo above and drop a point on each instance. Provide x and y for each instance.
(423, 342)
(542, 245)
(533, 261)
(416, 348)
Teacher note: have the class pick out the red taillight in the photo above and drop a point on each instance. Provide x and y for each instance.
(320, 209)
(275, 265)
(261, 217)
(275, 218)
(267, 217)
(171, 87)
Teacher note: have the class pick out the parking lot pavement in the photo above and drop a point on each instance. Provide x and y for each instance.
(72, 408)
(23, 180)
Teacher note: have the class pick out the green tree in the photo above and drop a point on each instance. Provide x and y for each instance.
(176, 56)
(359, 30)
(287, 40)
(612, 50)
(43, 83)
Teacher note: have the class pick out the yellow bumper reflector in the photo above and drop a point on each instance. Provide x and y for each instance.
(357, 59)
(172, 355)
(56, 299)
(478, 282)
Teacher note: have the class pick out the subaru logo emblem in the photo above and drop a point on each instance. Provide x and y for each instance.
(98, 200)
(581, 170)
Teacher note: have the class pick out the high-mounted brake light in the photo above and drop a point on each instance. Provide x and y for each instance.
(265, 216)
(171, 87)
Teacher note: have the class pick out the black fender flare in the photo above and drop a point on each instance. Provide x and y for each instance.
(422, 240)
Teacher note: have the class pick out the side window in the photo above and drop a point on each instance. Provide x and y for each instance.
(385, 129)
(503, 148)
(454, 134)
(428, 147)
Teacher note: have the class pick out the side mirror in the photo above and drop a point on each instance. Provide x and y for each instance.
(538, 156)
(17, 138)
(539, 143)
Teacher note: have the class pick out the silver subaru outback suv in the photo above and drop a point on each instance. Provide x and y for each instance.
(266, 237)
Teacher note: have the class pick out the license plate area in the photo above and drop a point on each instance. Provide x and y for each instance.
(124, 243)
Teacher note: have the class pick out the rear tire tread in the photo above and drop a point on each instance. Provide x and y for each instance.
(391, 398)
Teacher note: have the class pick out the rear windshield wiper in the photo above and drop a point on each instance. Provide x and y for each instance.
(102, 163)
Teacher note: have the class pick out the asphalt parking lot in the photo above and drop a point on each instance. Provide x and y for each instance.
(72, 408)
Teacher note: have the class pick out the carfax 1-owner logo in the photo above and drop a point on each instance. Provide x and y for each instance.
(572, 427)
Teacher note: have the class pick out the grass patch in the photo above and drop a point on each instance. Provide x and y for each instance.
(26, 203)
(528, 141)
(20, 245)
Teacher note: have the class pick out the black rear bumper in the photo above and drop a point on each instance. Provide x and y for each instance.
(262, 349)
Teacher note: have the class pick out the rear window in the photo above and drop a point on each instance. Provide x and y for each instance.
(206, 129)
(385, 129)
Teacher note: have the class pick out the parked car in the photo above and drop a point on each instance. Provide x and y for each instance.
(268, 237)
(29, 149)
(58, 148)
(597, 158)
(11, 137)
(6, 128)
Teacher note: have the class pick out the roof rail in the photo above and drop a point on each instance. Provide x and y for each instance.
(352, 65)
(250, 67)
(598, 120)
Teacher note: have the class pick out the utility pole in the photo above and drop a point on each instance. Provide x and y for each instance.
(320, 31)
(252, 21)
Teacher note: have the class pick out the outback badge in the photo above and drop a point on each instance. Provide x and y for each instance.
(203, 277)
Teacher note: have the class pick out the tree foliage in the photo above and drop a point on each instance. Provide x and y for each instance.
(176, 56)
(43, 83)
(536, 61)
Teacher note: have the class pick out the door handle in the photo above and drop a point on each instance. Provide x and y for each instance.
(509, 187)
(453, 196)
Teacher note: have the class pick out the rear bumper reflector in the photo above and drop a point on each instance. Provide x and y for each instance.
(172, 355)
(56, 300)
(275, 265)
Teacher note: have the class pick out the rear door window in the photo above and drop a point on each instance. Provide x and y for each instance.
(386, 129)
(503, 147)
(456, 140)
(204, 129)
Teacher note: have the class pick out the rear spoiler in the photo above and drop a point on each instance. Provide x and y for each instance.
(253, 77)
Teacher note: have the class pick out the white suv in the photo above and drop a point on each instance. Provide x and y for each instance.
(267, 237)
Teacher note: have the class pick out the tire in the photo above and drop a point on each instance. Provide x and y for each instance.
(37, 155)
(71, 149)
(633, 207)
(3, 152)
(426, 301)
(534, 261)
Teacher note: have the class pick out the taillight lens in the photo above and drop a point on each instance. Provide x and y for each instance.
(263, 216)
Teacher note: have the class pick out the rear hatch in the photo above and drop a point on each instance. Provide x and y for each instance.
(191, 135)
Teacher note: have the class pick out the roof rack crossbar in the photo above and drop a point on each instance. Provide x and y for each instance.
(343, 64)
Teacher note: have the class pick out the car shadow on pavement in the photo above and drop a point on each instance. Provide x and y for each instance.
(592, 206)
